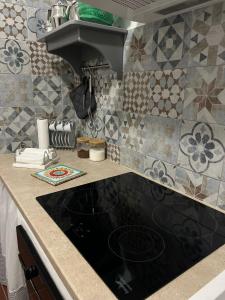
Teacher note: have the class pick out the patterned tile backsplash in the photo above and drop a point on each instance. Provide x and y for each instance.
(207, 46)
(171, 40)
(165, 119)
(14, 57)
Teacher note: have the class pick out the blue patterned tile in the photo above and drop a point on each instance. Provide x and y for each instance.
(202, 148)
(160, 171)
(14, 57)
(36, 23)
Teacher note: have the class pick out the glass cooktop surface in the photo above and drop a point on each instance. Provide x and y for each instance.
(136, 234)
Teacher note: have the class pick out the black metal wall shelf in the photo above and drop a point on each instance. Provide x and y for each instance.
(79, 42)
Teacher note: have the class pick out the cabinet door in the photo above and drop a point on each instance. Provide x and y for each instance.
(37, 276)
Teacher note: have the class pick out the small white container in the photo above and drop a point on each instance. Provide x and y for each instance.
(97, 150)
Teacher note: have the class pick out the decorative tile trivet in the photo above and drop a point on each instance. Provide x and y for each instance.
(58, 174)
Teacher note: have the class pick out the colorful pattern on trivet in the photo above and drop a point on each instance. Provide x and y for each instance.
(58, 174)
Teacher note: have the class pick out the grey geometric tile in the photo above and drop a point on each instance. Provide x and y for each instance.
(70, 79)
(223, 171)
(68, 84)
(94, 126)
(136, 92)
(109, 93)
(16, 90)
(115, 96)
(102, 84)
(113, 153)
(47, 90)
(13, 21)
(171, 40)
(36, 22)
(68, 112)
(205, 95)
(161, 138)
(132, 159)
(210, 190)
(20, 127)
(14, 57)
(50, 112)
(198, 186)
(137, 50)
(160, 171)
(207, 45)
(39, 3)
(21, 141)
(2, 119)
(132, 133)
(187, 181)
(112, 127)
(43, 63)
(221, 198)
(2, 137)
(202, 148)
(167, 93)
(19, 121)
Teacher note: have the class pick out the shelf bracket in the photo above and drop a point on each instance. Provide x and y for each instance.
(79, 42)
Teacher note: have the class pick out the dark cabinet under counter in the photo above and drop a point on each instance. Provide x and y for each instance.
(39, 281)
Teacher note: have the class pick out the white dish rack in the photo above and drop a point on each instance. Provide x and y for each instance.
(62, 134)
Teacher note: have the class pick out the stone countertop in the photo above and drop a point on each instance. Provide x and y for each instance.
(77, 275)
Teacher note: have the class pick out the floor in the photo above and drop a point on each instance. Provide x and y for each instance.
(3, 292)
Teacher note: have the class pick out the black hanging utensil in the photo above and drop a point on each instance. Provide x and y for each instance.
(83, 99)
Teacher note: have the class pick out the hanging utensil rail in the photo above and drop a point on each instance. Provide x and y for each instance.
(86, 68)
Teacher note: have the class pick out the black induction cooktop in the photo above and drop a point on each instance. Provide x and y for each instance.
(136, 234)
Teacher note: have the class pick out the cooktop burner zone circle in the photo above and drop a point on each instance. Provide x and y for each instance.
(136, 243)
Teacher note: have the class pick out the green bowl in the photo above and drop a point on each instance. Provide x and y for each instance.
(92, 14)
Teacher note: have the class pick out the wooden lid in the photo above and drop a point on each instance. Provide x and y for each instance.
(97, 142)
(83, 139)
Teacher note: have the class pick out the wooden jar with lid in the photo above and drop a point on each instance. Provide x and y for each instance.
(97, 149)
(83, 147)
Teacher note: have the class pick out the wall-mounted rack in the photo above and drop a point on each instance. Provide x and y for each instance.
(87, 68)
(79, 42)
